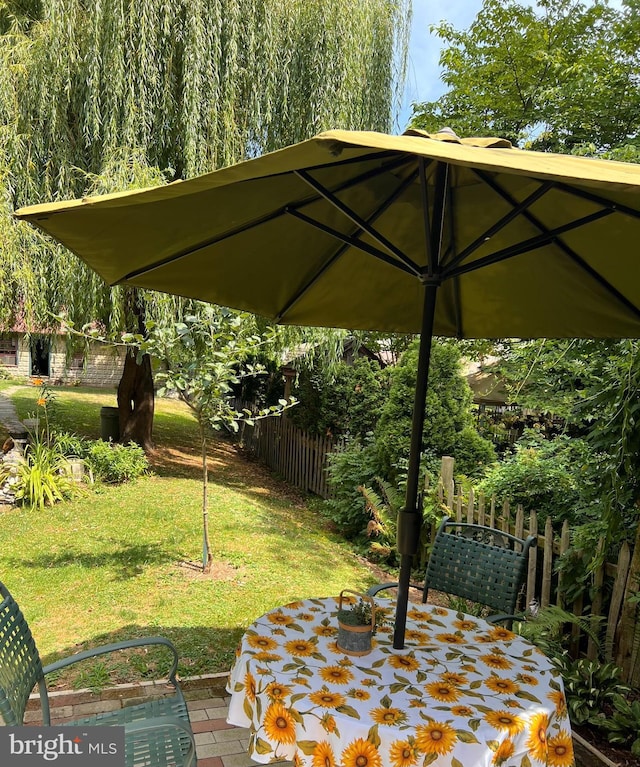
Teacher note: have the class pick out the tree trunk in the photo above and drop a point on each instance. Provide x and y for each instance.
(136, 402)
(135, 390)
(207, 556)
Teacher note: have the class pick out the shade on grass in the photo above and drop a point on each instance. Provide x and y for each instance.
(118, 561)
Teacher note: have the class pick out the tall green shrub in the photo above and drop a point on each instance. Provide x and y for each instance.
(448, 418)
(343, 399)
(552, 477)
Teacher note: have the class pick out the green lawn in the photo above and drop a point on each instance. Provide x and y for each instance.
(119, 561)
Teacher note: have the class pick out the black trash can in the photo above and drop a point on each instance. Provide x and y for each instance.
(109, 424)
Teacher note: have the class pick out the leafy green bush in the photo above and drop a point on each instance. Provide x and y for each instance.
(623, 726)
(43, 477)
(70, 444)
(447, 415)
(347, 471)
(343, 399)
(590, 687)
(551, 477)
(114, 463)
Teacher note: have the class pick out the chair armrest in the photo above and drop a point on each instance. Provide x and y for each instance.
(503, 617)
(126, 644)
(373, 590)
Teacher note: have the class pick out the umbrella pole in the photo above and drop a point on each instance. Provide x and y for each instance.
(410, 517)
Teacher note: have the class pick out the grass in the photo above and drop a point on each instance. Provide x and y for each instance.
(122, 561)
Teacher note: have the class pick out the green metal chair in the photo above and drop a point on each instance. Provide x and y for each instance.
(157, 733)
(477, 563)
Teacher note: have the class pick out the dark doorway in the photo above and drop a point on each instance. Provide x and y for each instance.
(40, 357)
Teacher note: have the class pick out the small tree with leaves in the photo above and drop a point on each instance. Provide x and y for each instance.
(201, 358)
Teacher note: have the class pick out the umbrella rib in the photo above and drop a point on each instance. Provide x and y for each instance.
(609, 207)
(398, 162)
(294, 299)
(526, 246)
(500, 224)
(357, 220)
(614, 206)
(353, 241)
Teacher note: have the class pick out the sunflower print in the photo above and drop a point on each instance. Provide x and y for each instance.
(439, 611)
(451, 638)
(327, 699)
(325, 631)
(418, 615)
(300, 647)
(504, 751)
(305, 617)
(493, 660)
(465, 625)
(532, 681)
(503, 720)
(328, 723)
(537, 742)
(279, 724)
(453, 678)
(361, 753)
(261, 642)
(560, 702)
(277, 691)
(501, 634)
(336, 674)
(435, 738)
(359, 694)
(388, 716)
(465, 712)
(267, 657)
(323, 755)
(419, 637)
(504, 686)
(560, 752)
(404, 662)
(250, 687)
(280, 619)
(403, 754)
(444, 691)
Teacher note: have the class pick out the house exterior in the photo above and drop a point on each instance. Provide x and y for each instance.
(45, 356)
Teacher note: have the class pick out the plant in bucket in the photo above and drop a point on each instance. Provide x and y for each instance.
(358, 620)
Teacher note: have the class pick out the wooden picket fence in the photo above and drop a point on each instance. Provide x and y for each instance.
(616, 585)
(301, 460)
(298, 457)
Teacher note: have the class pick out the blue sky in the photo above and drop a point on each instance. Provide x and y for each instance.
(423, 74)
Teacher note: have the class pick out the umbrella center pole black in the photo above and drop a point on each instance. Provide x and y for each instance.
(410, 517)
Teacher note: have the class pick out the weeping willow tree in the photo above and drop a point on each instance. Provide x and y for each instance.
(116, 94)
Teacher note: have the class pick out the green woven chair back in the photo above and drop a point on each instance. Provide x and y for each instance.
(478, 563)
(20, 665)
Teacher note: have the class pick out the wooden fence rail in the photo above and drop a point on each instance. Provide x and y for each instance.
(612, 603)
(301, 459)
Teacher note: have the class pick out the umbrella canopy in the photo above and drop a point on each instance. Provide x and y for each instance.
(415, 233)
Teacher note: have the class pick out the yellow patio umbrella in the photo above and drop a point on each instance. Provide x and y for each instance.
(418, 233)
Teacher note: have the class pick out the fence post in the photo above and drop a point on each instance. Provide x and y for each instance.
(627, 656)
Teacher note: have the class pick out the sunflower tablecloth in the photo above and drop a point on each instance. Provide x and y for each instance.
(462, 693)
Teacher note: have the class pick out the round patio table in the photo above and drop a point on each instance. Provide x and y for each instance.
(461, 692)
